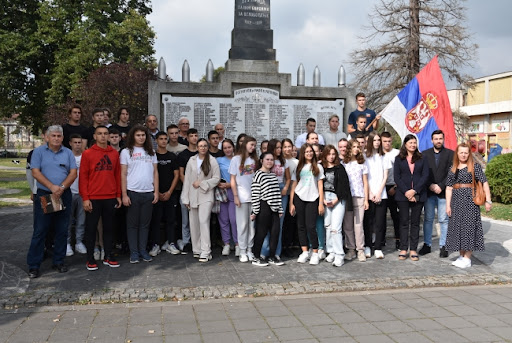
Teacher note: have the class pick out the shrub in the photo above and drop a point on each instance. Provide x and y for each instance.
(499, 175)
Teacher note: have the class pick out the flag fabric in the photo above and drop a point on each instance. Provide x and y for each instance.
(423, 107)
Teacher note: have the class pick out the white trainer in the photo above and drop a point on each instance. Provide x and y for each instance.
(321, 254)
(155, 250)
(330, 257)
(463, 263)
(173, 250)
(243, 258)
(315, 259)
(454, 263)
(303, 258)
(250, 256)
(225, 250)
(69, 250)
(165, 246)
(80, 248)
(338, 261)
(367, 252)
(237, 250)
(97, 254)
(379, 255)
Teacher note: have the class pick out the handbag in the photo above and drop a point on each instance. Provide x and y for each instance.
(478, 192)
(220, 194)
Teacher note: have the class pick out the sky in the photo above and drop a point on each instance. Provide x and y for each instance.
(315, 33)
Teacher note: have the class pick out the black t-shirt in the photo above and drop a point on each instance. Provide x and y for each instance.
(89, 135)
(182, 140)
(167, 164)
(184, 156)
(69, 129)
(219, 153)
(123, 130)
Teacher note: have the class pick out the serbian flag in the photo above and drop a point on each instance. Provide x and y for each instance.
(423, 107)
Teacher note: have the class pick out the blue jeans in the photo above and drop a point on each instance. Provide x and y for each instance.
(432, 202)
(333, 218)
(77, 213)
(265, 248)
(42, 223)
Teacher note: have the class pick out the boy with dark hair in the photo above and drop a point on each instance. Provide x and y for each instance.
(98, 119)
(168, 174)
(74, 126)
(213, 141)
(362, 109)
(114, 139)
(361, 124)
(123, 118)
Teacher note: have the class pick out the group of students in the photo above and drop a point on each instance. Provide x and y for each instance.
(337, 197)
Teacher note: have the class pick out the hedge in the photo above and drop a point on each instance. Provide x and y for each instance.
(499, 175)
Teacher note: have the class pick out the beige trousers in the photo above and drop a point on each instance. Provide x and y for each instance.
(353, 225)
(199, 219)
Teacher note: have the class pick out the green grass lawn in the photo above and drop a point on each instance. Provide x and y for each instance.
(498, 211)
(7, 162)
(13, 179)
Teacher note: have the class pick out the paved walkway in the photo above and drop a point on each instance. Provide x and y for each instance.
(463, 314)
(179, 277)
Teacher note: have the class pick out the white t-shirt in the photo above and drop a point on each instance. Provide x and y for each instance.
(307, 188)
(279, 170)
(377, 164)
(74, 185)
(140, 170)
(355, 172)
(391, 157)
(244, 175)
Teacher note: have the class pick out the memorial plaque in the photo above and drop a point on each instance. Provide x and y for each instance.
(258, 112)
(252, 14)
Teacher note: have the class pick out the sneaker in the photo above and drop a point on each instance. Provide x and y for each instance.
(80, 248)
(425, 249)
(304, 257)
(237, 250)
(155, 250)
(69, 250)
(321, 254)
(91, 265)
(367, 252)
(196, 255)
(330, 258)
(102, 254)
(171, 249)
(134, 258)
(338, 261)
(350, 255)
(361, 256)
(463, 263)
(315, 259)
(458, 259)
(97, 254)
(111, 262)
(226, 249)
(205, 259)
(181, 247)
(165, 246)
(250, 256)
(276, 261)
(243, 258)
(145, 256)
(443, 253)
(379, 255)
(259, 262)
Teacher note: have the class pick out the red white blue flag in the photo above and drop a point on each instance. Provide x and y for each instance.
(423, 107)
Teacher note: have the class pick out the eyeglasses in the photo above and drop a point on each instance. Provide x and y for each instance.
(185, 124)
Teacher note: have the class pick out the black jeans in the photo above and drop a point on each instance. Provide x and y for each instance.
(410, 213)
(167, 210)
(377, 223)
(306, 213)
(266, 221)
(393, 210)
(105, 210)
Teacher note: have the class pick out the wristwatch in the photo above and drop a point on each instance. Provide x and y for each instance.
(489, 202)
(62, 186)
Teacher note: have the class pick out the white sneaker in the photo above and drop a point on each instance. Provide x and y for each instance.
(379, 255)
(165, 246)
(69, 250)
(321, 254)
(361, 256)
(80, 248)
(303, 258)
(237, 250)
(463, 263)
(338, 261)
(259, 262)
(330, 257)
(315, 259)
(181, 245)
(457, 260)
(102, 254)
(155, 250)
(172, 249)
(250, 256)
(225, 250)
(97, 254)
(243, 258)
(205, 258)
(367, 252)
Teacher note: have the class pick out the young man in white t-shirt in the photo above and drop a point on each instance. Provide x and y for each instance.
(77, 209)
(391, 154)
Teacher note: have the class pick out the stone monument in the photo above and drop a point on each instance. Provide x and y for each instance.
(250, 95)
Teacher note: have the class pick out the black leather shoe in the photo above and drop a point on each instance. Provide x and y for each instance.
(33, 273)
(425, 249)
(61, 268)
(443, 252)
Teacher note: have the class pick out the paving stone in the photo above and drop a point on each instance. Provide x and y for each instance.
(327, 331)
(292, 334)
(184, 339)
(394, 326)
(408, 337)
(144, 331)
(254, 336)
(215, 326)
(106, 333)
(504, 332)
(360, 329)
(373, 338)
(249, 324)
(444, 335)
(423, 324)
(477, 334)
(186, 328)
(221, 337)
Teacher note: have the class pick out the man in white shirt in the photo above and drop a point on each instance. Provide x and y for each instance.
(334, 134)
(310, 127)
(391, 154)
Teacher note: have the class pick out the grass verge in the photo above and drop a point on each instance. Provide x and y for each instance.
(498, 211)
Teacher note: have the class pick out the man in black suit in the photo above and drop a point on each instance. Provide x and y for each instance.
(440, 160)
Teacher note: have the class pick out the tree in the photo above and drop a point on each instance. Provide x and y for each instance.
(462, 125)
(48, 46)
(115, 85)
(405, 35)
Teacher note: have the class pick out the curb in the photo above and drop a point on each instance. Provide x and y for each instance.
(47, 297)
